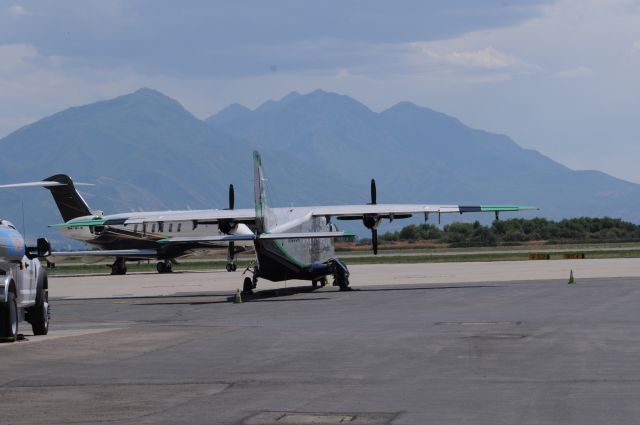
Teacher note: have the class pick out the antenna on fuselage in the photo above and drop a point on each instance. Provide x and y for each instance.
(24, 226)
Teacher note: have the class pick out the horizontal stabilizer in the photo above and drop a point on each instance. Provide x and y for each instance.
(31, 184)
(40, 184)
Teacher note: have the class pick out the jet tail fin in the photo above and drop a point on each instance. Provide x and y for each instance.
(70, 203)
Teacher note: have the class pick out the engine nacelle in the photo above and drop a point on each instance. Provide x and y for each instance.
(371, 221)
(227, 226)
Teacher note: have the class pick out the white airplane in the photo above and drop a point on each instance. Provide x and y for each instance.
(134, 236)
(289, 243)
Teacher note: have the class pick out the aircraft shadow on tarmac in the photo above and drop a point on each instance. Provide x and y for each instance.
(269, 295)
(423, 288)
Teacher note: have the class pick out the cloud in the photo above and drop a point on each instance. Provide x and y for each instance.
(636, 46)
(18, 10)
(487, 58)
(220, 38)
(578, 72)
(16, 57)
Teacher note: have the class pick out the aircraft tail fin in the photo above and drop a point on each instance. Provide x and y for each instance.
(263, 214)
(70, 203)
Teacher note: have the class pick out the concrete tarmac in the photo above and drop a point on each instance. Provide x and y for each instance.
(405, 347)
(151, 284)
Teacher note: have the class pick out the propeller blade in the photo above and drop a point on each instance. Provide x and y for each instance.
(374, 240)
(373, 192)
(231, 197)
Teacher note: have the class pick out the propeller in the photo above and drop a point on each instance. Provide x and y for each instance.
(226, 226)
(373, 192)
(372, 221)
(231, 197)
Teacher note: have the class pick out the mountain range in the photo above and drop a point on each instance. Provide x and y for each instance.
(145, 151)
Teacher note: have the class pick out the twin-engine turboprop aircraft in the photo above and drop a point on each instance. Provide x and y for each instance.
(289, 243)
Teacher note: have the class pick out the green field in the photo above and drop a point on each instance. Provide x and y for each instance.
(395, 257)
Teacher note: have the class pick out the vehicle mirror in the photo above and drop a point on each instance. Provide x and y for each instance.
(42, 249)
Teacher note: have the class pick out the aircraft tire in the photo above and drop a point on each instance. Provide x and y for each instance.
(344, 284)
(118, 269)
(161, 267)
(9, 319)
(247, 286)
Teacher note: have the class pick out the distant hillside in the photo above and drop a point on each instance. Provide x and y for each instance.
(145, 151)
(420, 154)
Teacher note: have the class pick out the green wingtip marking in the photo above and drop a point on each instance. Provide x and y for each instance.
(491, 208)
(79, 223)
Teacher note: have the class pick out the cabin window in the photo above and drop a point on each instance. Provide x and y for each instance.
(144, 228)
(160, 226)
(153, 228)
(179, 226)
(135, 228)
(170, 227)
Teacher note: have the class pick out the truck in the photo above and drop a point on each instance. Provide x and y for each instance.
(24, 285)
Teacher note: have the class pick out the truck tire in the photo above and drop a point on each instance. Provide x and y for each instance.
(38, 315)
(9, 318)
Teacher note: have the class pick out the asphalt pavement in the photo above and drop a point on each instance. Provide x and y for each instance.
(491, 352)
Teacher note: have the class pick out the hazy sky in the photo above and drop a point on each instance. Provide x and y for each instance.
(562, 77)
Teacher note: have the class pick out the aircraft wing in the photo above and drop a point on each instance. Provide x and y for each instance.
(202, 217)
(129, 253)
(347, 212)
(251, 236)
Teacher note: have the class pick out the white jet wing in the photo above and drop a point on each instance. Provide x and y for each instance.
(129, 253)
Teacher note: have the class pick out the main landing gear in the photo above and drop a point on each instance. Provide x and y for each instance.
(322, 282)
(164, 266)
(119, 267)
(340, 274)
(336, 267)
(231, 258)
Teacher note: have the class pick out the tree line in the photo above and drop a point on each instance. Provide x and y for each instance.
(519, 230)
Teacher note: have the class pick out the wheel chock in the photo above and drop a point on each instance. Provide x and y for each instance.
(572, 280)
(238, 298)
